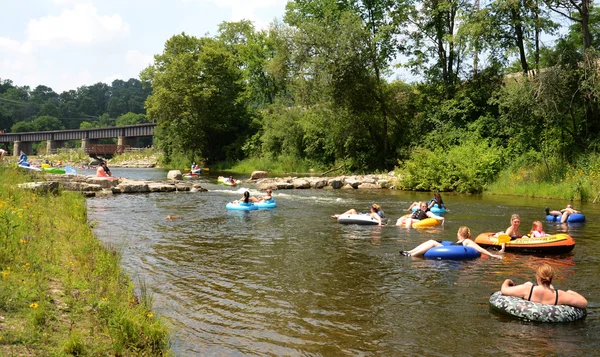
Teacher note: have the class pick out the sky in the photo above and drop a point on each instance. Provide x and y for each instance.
(65, 44)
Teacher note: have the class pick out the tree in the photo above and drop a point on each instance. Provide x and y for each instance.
(197, 99)
(47, 123)
(131, 119)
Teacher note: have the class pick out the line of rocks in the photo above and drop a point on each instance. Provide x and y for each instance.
(92, 186)
(340, 182)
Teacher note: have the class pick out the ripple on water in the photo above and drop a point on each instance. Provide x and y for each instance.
(292, 281)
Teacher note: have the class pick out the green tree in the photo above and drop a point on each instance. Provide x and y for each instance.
(197, 99)
(131, 119)
(47, 123)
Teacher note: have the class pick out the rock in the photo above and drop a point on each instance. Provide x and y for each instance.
(353, 182)
(131, 187)
(258, 175)
(301, 183)
(336, 183)
(348, 187)
(317, 182)
(282, 185)
(104, 182)
(42, 187)
(175, 175)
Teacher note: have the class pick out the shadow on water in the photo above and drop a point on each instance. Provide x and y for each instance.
(291, 281)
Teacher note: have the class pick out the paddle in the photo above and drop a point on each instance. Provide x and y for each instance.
(503, 238)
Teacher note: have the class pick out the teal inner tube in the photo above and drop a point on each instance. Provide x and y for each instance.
(241, 206)
(270, 204)
(534, 311)
(435, 209)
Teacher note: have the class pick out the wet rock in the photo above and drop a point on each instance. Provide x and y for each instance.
(259, 175)
(175, 175)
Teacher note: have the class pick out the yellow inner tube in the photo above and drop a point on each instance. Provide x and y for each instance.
(427, 222)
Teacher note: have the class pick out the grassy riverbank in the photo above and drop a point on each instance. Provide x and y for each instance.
(63, 292)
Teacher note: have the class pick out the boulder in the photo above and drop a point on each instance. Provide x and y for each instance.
(352, 182)
(301, 183)
(336, 183)
(282, 185)
(259, 175)
(175, 175)
(317, 182)
(104, 182)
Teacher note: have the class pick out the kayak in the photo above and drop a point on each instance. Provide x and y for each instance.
(553, 244)
(28, 167)
(54, 170)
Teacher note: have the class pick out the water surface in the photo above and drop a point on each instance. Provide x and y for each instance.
(293, 282)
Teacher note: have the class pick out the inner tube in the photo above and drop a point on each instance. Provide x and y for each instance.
(534, 311)
(270, 204)
(454, 252)
(435, 209)
(573, 218)
(427, 222)
(241, 206)
(361, 218)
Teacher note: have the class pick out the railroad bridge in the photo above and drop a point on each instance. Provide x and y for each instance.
(126, 137)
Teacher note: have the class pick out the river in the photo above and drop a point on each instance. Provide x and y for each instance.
(293, 282)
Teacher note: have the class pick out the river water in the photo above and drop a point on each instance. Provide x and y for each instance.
(293, 282)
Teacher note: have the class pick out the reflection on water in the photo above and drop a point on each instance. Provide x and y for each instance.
(292, 281)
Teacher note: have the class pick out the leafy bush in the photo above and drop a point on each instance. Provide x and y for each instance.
(463, 168)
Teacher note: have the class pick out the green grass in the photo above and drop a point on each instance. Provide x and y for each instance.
(146, 155)
(63, 292)
(580, 182)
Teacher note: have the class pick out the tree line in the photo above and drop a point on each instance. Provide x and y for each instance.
(320, 86)
(316, 86)
(24, 109)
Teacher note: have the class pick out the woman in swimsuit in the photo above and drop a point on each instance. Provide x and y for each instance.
(375, 212)
(512, 231)
(464, 238)
(420, 214)
(543, 292)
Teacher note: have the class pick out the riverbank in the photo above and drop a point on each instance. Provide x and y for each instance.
(63, 291)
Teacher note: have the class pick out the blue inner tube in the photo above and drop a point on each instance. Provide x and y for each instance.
(435, 209)
(454, 252)
(241, 206)
(573, 218)
(534, 311)
(266, 204)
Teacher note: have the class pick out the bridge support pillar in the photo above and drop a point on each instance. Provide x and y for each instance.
(27, 147)
(127, 141)
(85, 143)
(52, 145)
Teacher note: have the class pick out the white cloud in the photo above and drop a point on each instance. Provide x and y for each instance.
(245, 9)
(136, 59)
(10, 45)
(80, 25)
(110, 79)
